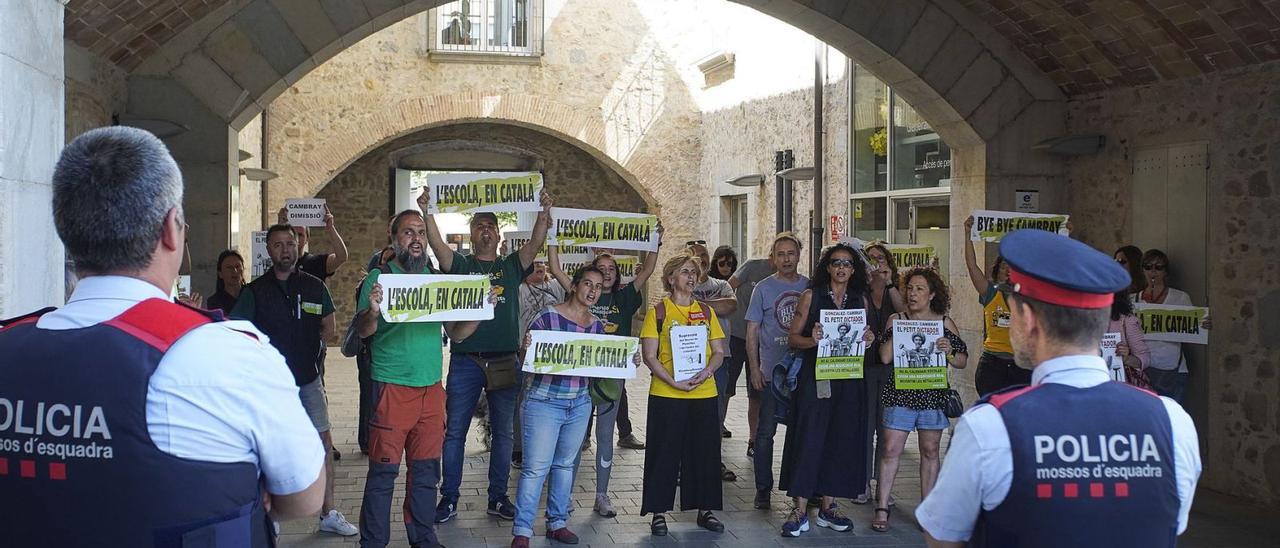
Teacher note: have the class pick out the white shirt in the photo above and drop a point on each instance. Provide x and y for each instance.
(1167, 355)
(979, 465)
(217, 395)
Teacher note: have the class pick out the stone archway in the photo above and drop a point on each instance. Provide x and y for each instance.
(583, 129)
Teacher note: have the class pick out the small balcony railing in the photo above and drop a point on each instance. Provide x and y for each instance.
(487, 27)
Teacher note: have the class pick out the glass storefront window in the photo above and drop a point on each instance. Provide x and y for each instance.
(920, 158)
(869, 218)
(870, 135)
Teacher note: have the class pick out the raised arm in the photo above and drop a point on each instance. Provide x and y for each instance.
(538, 237)
(441, 249)
(976, 275)
(339, 255)
(650, 263)
(553, 266)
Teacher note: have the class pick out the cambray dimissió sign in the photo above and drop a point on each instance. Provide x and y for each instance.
(305, 211)
(434, 297)
(611, 229)
(581, 354)
(909, 255)
(1173, 323)
(917, 362)
(991, 226)
(841, 350)
(484, 192)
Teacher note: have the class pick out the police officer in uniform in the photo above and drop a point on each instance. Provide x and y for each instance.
(1074, 459)
(127, 419)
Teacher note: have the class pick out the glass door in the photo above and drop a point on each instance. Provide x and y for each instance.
(925, 220)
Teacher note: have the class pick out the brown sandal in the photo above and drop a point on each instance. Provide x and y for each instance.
(881, 525)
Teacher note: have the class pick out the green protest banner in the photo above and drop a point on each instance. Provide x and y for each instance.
(841, 350)
(1173, 323)
(434, 297)
(484, 192)
(991, 226)
(610, 229)
(909, 255)
(917, 362)
(581, 354)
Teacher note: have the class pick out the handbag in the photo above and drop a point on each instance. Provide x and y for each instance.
(952, 405)
(500, 372)
(604, 391)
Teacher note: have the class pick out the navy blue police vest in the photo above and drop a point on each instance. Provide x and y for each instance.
(1091, 467)
(77, 464)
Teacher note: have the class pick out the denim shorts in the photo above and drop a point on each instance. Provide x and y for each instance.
(907, 419)
(316, 403)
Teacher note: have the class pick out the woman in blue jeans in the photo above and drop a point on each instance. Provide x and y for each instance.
(554, 418)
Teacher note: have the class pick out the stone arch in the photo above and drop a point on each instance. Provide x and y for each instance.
(964, 77)
(575, 126)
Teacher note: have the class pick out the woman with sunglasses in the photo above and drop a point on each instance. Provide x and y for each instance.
(928, 298)
(1168, 366)
(724, 262)
(1130, 257)
(826, 440)
(996, 368)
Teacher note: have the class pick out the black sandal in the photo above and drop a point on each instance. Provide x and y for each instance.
(881, 525)
(658, 527)
(708, 521)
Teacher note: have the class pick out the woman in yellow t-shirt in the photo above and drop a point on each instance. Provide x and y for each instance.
(684, 417)
(996, 368)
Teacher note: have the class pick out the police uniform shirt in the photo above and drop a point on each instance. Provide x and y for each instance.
(978, 467)
(216, 394)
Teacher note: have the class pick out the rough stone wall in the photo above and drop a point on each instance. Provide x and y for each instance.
(1236, 113)
(250, 204)
(95, 90)
(741, 140)
(358, 196)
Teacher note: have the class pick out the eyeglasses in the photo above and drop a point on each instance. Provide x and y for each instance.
(724, 262)
(1153, 266)
(842, 263)
(695, 242)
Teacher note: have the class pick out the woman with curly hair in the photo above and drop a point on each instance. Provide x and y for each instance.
(927, 298)
(826, 439)
(724, 262)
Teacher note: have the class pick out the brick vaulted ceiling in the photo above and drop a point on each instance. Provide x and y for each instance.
(1083, 45)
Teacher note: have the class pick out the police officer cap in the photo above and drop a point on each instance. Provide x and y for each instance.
(1058, 270)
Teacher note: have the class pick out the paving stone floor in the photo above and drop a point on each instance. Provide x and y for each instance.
(745, 527)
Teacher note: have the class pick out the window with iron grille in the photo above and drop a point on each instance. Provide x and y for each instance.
(487, 27)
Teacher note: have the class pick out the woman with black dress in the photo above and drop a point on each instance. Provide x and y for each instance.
(825, 450)
(885, 300)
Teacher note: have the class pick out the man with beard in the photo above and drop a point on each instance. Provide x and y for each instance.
(408, 408)
(487, 360)
(1075, 459)
(295, 311)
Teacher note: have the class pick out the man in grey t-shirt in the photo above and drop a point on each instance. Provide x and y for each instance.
(773, 306)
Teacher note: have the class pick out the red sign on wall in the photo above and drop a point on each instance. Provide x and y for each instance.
(839, 227)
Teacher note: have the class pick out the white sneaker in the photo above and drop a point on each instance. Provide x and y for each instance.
(604, 507)
(337, 523)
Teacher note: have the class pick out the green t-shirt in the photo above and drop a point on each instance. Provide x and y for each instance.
(502, 333)
(246, 304)
(407, 354)
(617, 308)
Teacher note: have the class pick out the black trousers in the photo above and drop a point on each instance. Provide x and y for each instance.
(996, 373)
(682, 442)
